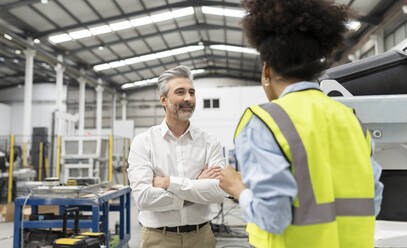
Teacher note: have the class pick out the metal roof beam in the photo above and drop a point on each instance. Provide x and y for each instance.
(188, 3)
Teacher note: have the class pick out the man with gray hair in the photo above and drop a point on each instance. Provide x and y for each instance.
(173, 170)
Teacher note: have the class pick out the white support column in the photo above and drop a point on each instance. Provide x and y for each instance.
(28, 86)
(59, 69)
(82, 88)
(99, 105)
(114, 98)
(124, 106)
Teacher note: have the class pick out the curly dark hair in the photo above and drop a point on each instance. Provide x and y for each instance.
(295, 37)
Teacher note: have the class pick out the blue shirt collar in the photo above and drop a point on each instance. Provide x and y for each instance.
(304, 85)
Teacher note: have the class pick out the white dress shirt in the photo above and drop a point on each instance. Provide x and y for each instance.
(157, 152)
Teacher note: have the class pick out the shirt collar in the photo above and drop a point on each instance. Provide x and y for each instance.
(304, 85)
(165, 130)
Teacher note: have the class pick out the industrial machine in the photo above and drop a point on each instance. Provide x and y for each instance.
(376, 89)
(91, 206)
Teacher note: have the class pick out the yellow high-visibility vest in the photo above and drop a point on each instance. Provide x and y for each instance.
(330, 160)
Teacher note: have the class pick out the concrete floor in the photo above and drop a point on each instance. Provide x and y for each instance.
(231, 217)
(387, 234)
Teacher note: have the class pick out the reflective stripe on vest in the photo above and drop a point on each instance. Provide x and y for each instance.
(309, 212)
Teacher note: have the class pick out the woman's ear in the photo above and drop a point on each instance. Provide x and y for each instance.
(266, 71)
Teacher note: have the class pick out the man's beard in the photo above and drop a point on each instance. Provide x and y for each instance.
(177, 110)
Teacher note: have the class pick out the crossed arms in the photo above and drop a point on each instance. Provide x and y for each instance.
(165, 193)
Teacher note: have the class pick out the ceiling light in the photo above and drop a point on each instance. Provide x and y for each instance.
(15, 61)
(44, 1)
(353, 25)
(223, 12)
(100, 48)
(80, 34)
(237, 49)
(198, 71)
(112, 27)
(140, 83)
(60, 38)
(121, 25)
(18, 52)
(148, 57)
(136, 22)
(100, 30)
(404, 8)
(37, 41)
(162, 16)
(183, 12)
(116, 64)
(8, 37)
(1, 59)
(101, 67)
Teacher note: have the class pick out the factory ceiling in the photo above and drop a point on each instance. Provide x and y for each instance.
(128, 43)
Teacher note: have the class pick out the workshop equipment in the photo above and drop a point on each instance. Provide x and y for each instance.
(99, 201)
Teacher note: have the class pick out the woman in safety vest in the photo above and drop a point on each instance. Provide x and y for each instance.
(308, 177)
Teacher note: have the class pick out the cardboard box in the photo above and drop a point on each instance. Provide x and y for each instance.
(7, 212)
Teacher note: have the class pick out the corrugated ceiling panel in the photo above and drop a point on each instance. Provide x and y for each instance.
(173, 38)
(127, 33)
(234, 37)
(55, 13)
(129, 6)
(111, 37)
(79, 9)
(147, 29)
(217, 36)
(106, 54)
(191, 37)
(88, 57)
(152, 3)
(33, 19)
(157, 43)
(139, 46)
(106, 8)
(122, 50)
(166, 25)
(146, 73)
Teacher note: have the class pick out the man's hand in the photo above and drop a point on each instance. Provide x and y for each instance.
(231, 182)
(161, 182)
(210, 172)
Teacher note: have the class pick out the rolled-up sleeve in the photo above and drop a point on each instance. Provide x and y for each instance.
(271, 186)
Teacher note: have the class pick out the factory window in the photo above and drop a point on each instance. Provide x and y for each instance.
(207, 103)
(215, 103)
(388, 42)
(211, 103)
(395, 37)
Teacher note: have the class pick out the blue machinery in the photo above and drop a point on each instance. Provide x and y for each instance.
(99, 205)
